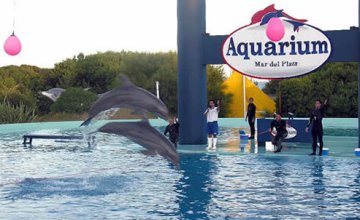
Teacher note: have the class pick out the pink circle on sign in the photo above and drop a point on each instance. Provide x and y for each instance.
(12, 45)
(275, 29)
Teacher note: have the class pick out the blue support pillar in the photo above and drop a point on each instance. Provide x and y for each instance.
(358, 48)
(192, 98)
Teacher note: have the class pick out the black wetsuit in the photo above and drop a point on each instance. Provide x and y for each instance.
(173, 130)
(316, 116)
(281, 133)
(251, 118)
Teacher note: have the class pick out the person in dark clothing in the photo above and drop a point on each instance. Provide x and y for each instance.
(281, 132)
(173, 129)
(316, 116)
(250, 116)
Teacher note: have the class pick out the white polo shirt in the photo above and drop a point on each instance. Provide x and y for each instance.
(212, 114)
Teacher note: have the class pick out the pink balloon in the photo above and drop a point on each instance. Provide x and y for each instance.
(275, 29)
(12, 45)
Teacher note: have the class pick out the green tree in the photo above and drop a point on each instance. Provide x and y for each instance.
(63, 75)
(215, 79)
(336, 82)
(166, 75)
(13, 89)
(99, 72)
(74, 100)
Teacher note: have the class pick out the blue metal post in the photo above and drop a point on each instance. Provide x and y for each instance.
(192, 96)
(358, 48)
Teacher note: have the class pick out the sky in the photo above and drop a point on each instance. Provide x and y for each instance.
(53, 30)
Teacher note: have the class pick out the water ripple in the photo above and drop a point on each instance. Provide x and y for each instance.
(114, 180)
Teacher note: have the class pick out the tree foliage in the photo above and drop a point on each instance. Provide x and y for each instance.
(16, 113)
(336, 82)
(215, 87)
(74, 100)
(18, 84)
(98, 73)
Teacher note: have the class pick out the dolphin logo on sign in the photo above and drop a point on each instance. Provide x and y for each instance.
(291, 132)
(276, 45)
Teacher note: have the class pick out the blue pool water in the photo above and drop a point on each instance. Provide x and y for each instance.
(114, 180)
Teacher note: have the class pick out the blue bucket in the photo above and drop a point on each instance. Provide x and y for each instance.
(244, 137)
(325, 152)
(357, 152)
(242, 132)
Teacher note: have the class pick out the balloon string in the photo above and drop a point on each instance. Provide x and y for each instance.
(14, 12)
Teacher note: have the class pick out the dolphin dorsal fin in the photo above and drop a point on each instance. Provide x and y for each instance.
(125, 81)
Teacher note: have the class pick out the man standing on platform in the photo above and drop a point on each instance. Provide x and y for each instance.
(316, 116)
(212, 114)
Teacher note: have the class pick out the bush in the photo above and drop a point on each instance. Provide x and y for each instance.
(16, 113)
(267, 113)
(74, 100)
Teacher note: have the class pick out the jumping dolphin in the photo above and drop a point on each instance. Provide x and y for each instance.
(53, 93)
(142, 133)
(128, 96)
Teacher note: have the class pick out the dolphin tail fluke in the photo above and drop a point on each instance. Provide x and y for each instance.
(295, 19)
(86, 122)
(295, 24)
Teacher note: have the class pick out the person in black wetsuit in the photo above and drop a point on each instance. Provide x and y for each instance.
(250, 116)
(281, 132)
(173, 129)
(316, 116)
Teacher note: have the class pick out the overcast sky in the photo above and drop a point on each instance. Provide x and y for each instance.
(53, 30)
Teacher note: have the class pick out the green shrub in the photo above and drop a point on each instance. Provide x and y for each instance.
(25, 98)
(16, 113)
(74, 100)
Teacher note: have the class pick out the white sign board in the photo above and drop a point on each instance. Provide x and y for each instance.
(301, 49)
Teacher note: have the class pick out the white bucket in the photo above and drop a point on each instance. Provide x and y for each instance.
(269, 146)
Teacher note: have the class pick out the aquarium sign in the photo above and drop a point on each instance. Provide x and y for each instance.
(276, 45)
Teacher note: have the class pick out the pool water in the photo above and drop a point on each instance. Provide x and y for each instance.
(114, 180)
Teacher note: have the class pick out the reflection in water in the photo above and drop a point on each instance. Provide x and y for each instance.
(221, 184)
(317, 173)
(279, 175)
(241, 145)
(195, 188)
(36, 188)
(356, 186)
